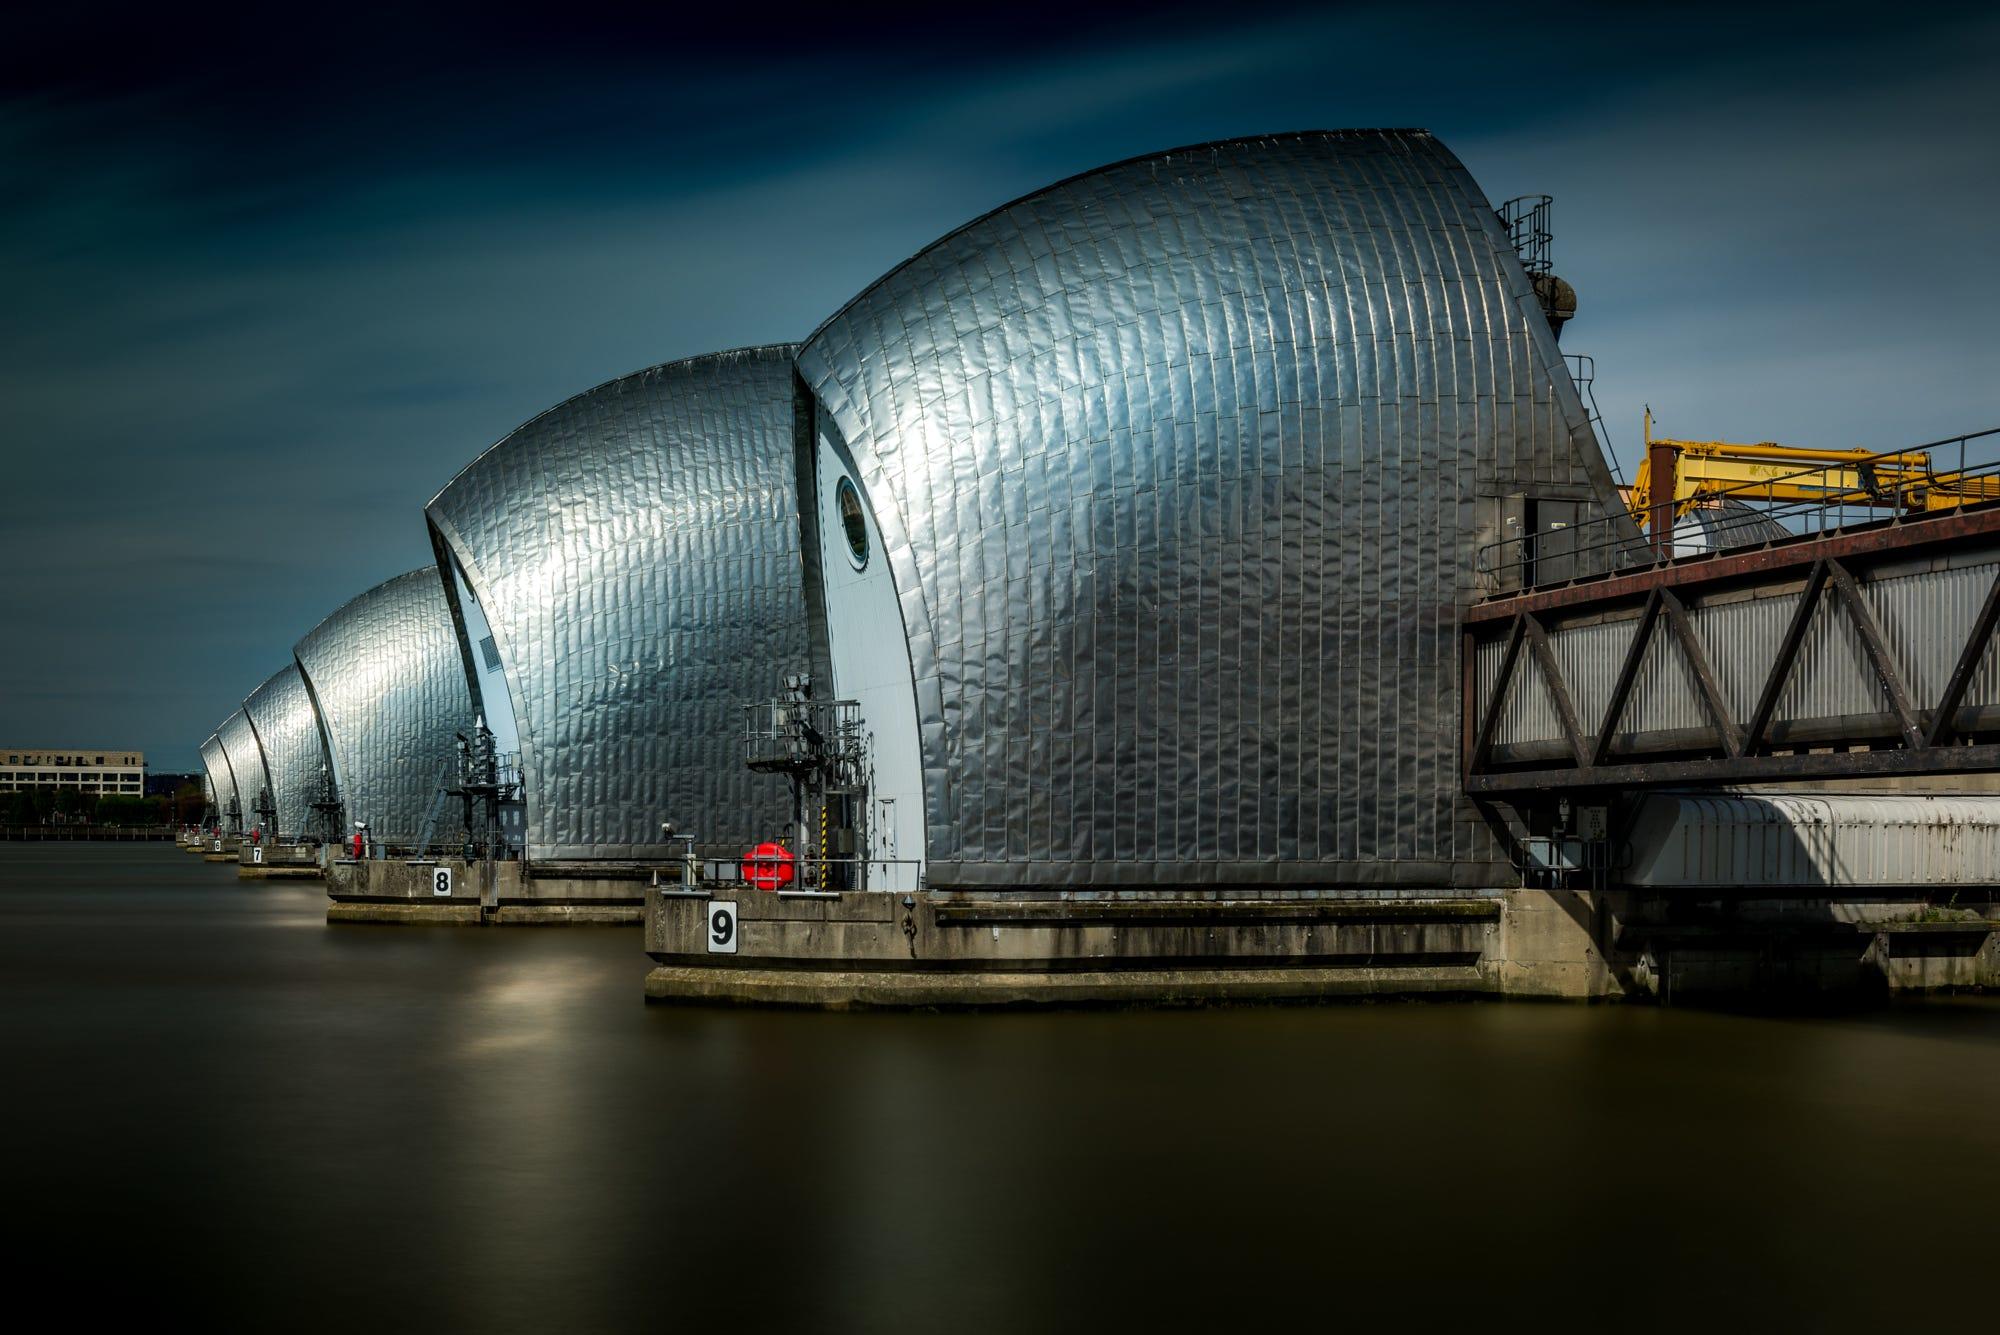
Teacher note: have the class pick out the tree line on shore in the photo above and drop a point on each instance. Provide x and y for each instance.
(51, 805)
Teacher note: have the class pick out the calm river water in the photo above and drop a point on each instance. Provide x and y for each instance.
(228, 1113)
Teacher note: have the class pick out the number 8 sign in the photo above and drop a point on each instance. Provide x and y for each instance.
(721, 927)
(441, 881)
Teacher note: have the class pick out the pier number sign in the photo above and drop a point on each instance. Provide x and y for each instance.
(441, 881)
(721, 927)
(257, 853)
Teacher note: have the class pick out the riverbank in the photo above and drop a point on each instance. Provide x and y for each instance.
(87, 833)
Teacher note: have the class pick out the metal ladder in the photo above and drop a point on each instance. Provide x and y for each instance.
(437, 807)
(1583, 371)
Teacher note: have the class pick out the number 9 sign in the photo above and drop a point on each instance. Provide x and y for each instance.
(721, 927)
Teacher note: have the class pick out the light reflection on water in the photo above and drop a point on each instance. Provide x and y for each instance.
(241, 1113)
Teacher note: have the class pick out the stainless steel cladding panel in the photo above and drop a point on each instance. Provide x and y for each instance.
(246, 762)
(282, 714)
(222, 784)
(1181, 468)
(385, 674)
(635, 555)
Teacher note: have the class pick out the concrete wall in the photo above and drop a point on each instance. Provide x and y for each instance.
(394, 890)
(951, 950)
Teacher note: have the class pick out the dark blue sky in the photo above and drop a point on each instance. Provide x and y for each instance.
(270, 280)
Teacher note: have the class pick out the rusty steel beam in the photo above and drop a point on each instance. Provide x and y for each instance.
(1924, 734)
(1552, 677)
(1742, 769)
(1895, 537)
(1877, 648)
(1781, 662)
(1628, 672)
(1662, 461)
(1482, 743)
(1945, 714)
(1704, 676)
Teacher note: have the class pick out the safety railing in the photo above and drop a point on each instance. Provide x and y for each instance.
(812, 877)
(1526, 221)
(1583, 374)
(1894, 487)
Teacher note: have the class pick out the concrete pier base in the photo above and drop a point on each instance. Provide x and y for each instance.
(471, 915)
(736, 945)
(279, 861)
(838, 990)
(938, 950)
(499, 894)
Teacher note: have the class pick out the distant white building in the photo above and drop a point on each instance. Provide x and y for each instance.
(116, 773)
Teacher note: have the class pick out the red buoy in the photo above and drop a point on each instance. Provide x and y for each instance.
(770, 867)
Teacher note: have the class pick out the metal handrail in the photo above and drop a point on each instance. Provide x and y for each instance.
(801, 862)
(1583, 374)
(1624, 547)
(1526, 221)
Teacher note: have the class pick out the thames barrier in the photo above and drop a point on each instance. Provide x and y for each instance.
(1200, 579)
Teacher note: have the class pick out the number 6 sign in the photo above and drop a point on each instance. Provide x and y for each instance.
(721, 927)
(441, 881)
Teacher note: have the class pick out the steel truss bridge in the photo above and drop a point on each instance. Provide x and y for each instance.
(1848, 650)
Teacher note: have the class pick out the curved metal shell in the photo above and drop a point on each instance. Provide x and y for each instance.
(634, 554)
(1723, 525)
(221, 783)
(1180, 468)
(385, 676)
(281, 713)
(246, 764)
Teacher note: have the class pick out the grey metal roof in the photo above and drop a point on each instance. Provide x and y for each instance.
(385, 676)
(1181, 466)
(1742, 843)
(281, 713)
(246, 764)
(635, 552)
(221, 783)
(1725, 524)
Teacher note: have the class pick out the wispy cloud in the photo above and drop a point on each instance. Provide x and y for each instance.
(245, 338)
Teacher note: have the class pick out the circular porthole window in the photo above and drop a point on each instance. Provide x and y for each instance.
(852, 522)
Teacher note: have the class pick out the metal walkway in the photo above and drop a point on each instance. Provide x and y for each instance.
(1860, 646)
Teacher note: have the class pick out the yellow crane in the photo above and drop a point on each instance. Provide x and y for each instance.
(1697, 472)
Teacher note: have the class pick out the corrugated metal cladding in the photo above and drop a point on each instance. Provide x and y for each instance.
(385, 673)
(1180, 467)
(246, 763)
(1794, 841)
(636, 553)
(222, 784)
(282, 714)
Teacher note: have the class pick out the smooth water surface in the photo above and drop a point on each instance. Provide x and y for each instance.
(224, 1111)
